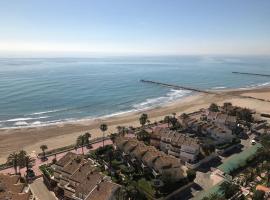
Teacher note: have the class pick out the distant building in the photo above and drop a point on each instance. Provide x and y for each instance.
(221, 119)
(78, 178)
(12, 189)
(218, 126)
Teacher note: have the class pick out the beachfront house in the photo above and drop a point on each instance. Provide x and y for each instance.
(179, 145)
(150, 158)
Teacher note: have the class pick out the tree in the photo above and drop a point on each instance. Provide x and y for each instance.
(227, 106)
(214, 196)
(229, 189)
(184, 116)
(143, 119)
(175, 124)
(103, 128)
(265, 151)
(258, 195)
(143, 135)
(213, 107)
(21, 159)
(86, 137)
(191, 174)
(245, 115)
(27, 162)
(167, 120)
(109, 155)
(113, 137)
(13, 158)
(43, 148)
(80, 142)
(122, 130)
(207, 149)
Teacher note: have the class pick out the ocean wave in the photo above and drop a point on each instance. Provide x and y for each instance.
(46, 112)
(118, 113)
(21, 123)
(170, 97)
(254, 86)
(24, 124)
(263, 84)
(25, 119)
(219, 87)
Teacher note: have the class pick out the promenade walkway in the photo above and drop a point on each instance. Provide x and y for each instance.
(38, 162)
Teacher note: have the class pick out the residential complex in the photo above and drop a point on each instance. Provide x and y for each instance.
(78, 178)
(149, 157)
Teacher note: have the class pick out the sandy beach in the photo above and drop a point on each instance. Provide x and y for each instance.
(59, 135)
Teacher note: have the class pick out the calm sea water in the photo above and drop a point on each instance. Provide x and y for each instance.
(41, 91)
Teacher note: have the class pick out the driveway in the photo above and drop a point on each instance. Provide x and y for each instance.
(40, 191)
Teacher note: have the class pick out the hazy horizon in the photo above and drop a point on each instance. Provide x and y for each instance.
(86, 28)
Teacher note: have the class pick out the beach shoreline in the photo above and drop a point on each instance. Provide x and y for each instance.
(65, 133)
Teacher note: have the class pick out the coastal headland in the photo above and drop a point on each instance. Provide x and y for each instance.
(59, 135)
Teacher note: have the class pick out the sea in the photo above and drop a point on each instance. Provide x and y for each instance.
(42, 91)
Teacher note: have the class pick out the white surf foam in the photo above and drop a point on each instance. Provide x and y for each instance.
(21, 123)
(171, 96)
(219, 87)
(45, 112)
(36, 123)
(254, 86)
(154, 102)
(25, 119)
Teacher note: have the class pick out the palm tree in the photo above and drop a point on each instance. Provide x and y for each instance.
(167, 120)
(27, 162)
(174, 114)
(213, 107)
(119, 129)
(43, 148)
(103, 128)
(21, 159)
(80, 142)
(113, 137)
(13, 158)
(86, 137)
(143, 119)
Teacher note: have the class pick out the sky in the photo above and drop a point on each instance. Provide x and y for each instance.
(125, 27)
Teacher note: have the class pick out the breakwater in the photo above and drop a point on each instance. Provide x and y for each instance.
(177, 86)
(201, 91)
(251, 74)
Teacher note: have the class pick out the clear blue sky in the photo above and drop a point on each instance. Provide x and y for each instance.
(85, 27)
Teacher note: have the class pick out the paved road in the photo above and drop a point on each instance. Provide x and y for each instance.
(40, 191)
